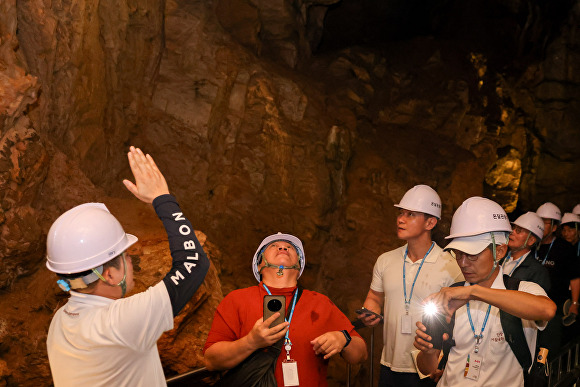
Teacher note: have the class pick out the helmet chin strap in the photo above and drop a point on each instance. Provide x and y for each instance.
(123, 283)
(280, 268)
(524, 246)
(494, 260)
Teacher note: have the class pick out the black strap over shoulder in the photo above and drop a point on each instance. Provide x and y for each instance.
(510, 324)
(513, 329)
(257, 370)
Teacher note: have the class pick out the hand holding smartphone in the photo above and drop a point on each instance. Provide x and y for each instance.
(367, 313)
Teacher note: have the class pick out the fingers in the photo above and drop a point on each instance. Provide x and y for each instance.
(327, 344)
(131, 187)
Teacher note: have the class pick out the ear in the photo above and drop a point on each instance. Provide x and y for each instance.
(501, 251)
(110, 274)
(532, 240)
(430, 223)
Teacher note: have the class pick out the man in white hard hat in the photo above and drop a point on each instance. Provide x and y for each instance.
(482, 354)
(100, 337)
(528, 230)
(314, 330)
(402, 278)
(558, 256)
(570, 223)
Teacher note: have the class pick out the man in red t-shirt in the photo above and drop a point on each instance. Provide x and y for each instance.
(315, 329)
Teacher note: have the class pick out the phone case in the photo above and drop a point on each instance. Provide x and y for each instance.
(273, 304)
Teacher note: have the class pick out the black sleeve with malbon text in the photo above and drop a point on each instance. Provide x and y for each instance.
(190, 263)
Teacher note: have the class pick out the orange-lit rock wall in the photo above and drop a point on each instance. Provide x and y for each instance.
(255, 133)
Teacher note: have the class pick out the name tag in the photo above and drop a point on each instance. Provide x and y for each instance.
(406, 324)
(473, 366)
(290, 373)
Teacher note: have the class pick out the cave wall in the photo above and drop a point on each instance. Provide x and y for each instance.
(256, 133)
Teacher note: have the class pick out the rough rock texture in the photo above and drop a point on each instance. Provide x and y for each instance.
(256, 133)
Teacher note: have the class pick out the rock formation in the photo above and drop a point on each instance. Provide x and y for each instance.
(258, 132)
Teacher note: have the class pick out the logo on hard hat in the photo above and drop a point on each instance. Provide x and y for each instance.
(436, 204)
(499, 216)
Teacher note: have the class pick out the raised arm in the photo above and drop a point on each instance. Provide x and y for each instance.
(190, 263)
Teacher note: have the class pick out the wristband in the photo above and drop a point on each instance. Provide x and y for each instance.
(347, 337)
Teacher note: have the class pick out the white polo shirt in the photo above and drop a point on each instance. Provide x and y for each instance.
(499, 364)
(96, 341)
(439, 270)
(512, 264)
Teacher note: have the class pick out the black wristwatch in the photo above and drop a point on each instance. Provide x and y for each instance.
(347, 337)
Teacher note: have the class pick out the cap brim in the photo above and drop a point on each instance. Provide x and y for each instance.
(467, 247)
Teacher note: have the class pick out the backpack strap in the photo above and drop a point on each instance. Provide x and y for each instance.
(513, 330)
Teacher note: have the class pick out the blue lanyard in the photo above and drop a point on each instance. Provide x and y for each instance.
(516, 265)
(548, 252)
(286, 338)
(408, 302)
(480, 336)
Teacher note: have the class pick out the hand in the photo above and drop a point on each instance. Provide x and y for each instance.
(435, 376)
(448, 300)
(261, 335)
(423, 340)
(329, 344)
(370, 320)
(149, 181)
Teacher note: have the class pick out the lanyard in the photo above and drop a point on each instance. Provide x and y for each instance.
(408, 302)
(548, 252)
(480, 336)
(287, 342)
(516, 265)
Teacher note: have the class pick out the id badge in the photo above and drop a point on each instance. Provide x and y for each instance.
(473, 366)
(290, 373)
(406, 324)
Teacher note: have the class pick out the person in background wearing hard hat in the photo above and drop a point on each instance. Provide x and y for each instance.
(570, 223)
(314, 331)
(99, 337)
(528, 231)
(559, 258)
(482, 355)
(402, 278)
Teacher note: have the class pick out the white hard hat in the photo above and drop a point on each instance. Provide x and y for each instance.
(570, 218)
(549, 211)
(297, 243)
(576, 209)
(531, 222)
(478, 215)
(422, 198)
(83, 238)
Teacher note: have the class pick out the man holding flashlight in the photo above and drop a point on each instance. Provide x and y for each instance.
(485, 351)
(402, 278)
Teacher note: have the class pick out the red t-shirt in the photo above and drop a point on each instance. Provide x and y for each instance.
(314, 315)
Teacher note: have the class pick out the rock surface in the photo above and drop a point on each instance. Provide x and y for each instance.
(256, 133)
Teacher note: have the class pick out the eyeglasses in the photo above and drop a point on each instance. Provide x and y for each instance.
(459, 255)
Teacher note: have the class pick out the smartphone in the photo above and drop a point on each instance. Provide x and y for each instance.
(436, 326)
(273, 304)
(367, 313)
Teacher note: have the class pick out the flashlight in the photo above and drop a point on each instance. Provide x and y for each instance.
(435, 324)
